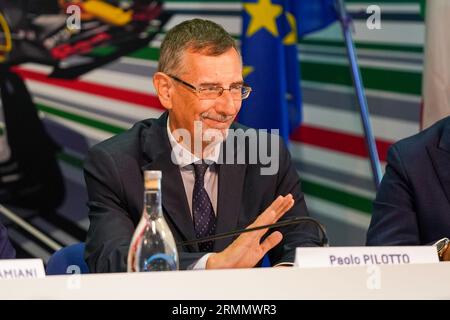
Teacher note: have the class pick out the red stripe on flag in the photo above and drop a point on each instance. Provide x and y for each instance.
(338, 141)
(143, 99)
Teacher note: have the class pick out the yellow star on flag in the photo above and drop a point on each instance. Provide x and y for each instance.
(263, 15)
(246, 71)
(291, 37)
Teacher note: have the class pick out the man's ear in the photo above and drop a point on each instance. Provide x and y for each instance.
(163, 87)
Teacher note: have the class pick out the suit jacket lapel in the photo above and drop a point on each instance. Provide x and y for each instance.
(440, 156)
(230, 190)
(231, 184)
(157, 149)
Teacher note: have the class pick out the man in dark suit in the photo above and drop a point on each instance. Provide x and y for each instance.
(199, 81)
(412, 206)
(6, 249)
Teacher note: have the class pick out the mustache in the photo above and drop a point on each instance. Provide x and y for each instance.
(216, 117)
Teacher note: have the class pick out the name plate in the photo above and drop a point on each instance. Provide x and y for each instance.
(21, 269)
(363, 256)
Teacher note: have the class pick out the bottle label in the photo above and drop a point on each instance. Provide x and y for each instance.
(159, 262)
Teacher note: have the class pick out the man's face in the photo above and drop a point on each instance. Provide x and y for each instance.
(201, 70)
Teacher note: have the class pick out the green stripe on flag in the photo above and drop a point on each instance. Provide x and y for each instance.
(103, 51)
(146, 53)
(81, 119)
(364, 45)
(343, 198)
(322, 42)
(423, 8)
(374, 78)
(70, 159)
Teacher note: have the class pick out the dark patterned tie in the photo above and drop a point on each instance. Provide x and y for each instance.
(202, 209)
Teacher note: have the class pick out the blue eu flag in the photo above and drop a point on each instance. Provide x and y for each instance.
(271, 66)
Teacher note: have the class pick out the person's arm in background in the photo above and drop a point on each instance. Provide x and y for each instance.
(394, 220)
(6, 249)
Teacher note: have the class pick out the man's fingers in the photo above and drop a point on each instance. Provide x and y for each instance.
(264, 219)
(267, 217)
(279, 202)
(271, 241)
(286, 207)
(286, 204)
(270, 215)
(286, 199)
(277, 207)
(276, 204)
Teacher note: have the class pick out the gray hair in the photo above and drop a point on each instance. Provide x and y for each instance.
(196, 35)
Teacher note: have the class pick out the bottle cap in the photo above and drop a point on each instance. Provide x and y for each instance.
(152, 179)
(152, 174)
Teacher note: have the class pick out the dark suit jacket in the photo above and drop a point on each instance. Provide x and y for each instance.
(113, 173)
(412, 206)
(6, 249)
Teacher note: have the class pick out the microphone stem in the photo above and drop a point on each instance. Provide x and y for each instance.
(268, 226)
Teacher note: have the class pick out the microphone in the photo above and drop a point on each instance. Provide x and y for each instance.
(324, 241)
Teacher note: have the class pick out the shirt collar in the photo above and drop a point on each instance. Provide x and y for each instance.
(183, 157)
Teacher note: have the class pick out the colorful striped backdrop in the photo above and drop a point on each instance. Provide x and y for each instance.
(328, 149)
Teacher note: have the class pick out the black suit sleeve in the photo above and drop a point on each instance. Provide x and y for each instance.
(394, 220)
(6, 249)
(300, 235)
(111, 228)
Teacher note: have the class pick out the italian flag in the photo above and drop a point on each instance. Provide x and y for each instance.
(436, 76)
